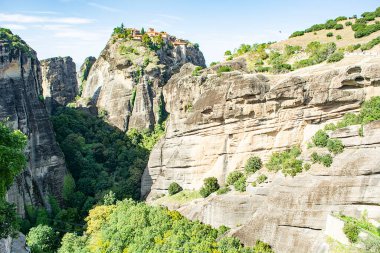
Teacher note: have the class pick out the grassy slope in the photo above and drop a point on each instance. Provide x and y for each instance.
(346, 33)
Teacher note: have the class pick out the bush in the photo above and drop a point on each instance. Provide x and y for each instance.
(241, 184)
(307, 166)
(296, 34)
(370, 110)
(223, 190)
(228, 52)
(340, 18)
(335, 146)
(330, 34)
(42, 239)
(213, 63)
(370, 44)
(174, 188)
(348, 23)
(351, 231)
(352, 48)
(233, 177)
(196, 71)
(326, 159)
(335, 57)
(253, 164)
(210, 185)
(338, 27)
(338, 37)
(223, 69)
(320, 138)
(286, 161)
(261, 179)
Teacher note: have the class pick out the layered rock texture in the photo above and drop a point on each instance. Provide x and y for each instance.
(125, 82)
(59, 82)
(22, 107)
(218, 121)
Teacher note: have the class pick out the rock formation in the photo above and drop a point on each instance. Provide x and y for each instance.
(126, 81)
(22, 107)
(218, 121)
(59, 82)
(84, 70)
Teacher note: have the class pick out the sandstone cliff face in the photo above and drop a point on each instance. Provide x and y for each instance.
(125, 82)
(217, 122)
(59, 82)
(21, 104)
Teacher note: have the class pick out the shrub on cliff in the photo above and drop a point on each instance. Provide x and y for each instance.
(223, 69)
(241, 184)
(335, 57)
(174, 188)
(296, 34)
(286, 161)
(210, 185)
(233, 177)
(320, 138)
(253, 164)
(196, 71)
(335, 146)
(330, 34)
(351, 231)
(325, 159)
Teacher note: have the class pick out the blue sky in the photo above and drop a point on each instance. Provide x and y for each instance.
(80, 28)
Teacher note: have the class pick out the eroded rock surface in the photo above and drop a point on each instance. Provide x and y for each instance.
(125, 82)
(59, 82)
(21, 104)
(217, 122)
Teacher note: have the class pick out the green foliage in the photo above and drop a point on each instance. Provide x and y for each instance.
(228, 52)
(338, 27)
(325, 159)
(317, 53)
(146, 139)
(214, 63)
(348, 23)
(233, 177)
(372, 244)
(330, 24)
(241, 184)
(370, 44)
(370, 110)
(340, 18)
(320, 138)
(223, 69)
(223, 190)
(307, 166)
(133, 97)
(335, 57)
(210, 185)
(196, 71)
(15, 43)
(338, 37)
(329, 34)
(109, 198)
(286, 161)
(335, 146)
(162, 116)
(253, 164)
(363, 31)
(42, 239)
(174, 188)
(136, 227)
(351, 231)
(296, 34)
(261, 179)
(262, 247)
(291, 50)
(352, 48)
(68, 187)
(12, 158)
(8, 219)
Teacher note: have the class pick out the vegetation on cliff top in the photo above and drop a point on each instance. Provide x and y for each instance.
(14, 42)
(128, 226)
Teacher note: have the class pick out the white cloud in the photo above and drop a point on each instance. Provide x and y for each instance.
(20, 18)
(103, 7)
(41, 12)
(14, 26)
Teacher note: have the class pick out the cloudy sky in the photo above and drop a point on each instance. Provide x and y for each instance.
(80, 28)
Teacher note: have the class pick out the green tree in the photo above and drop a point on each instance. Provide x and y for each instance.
(109, 198)
(253, 164)
(42, 239)
(174, 188)
(68, 187)
(12, 158)
(8, 219)
(210, 185)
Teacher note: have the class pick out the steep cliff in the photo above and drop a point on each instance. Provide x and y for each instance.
(22, 106)
(125, 82)
(59, 82)
(217, 121)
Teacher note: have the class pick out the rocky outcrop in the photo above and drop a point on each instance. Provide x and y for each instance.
(59, 82)
(22, 106)
(125, 82)
(14, 245)
(218, 121)
(84, 70)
